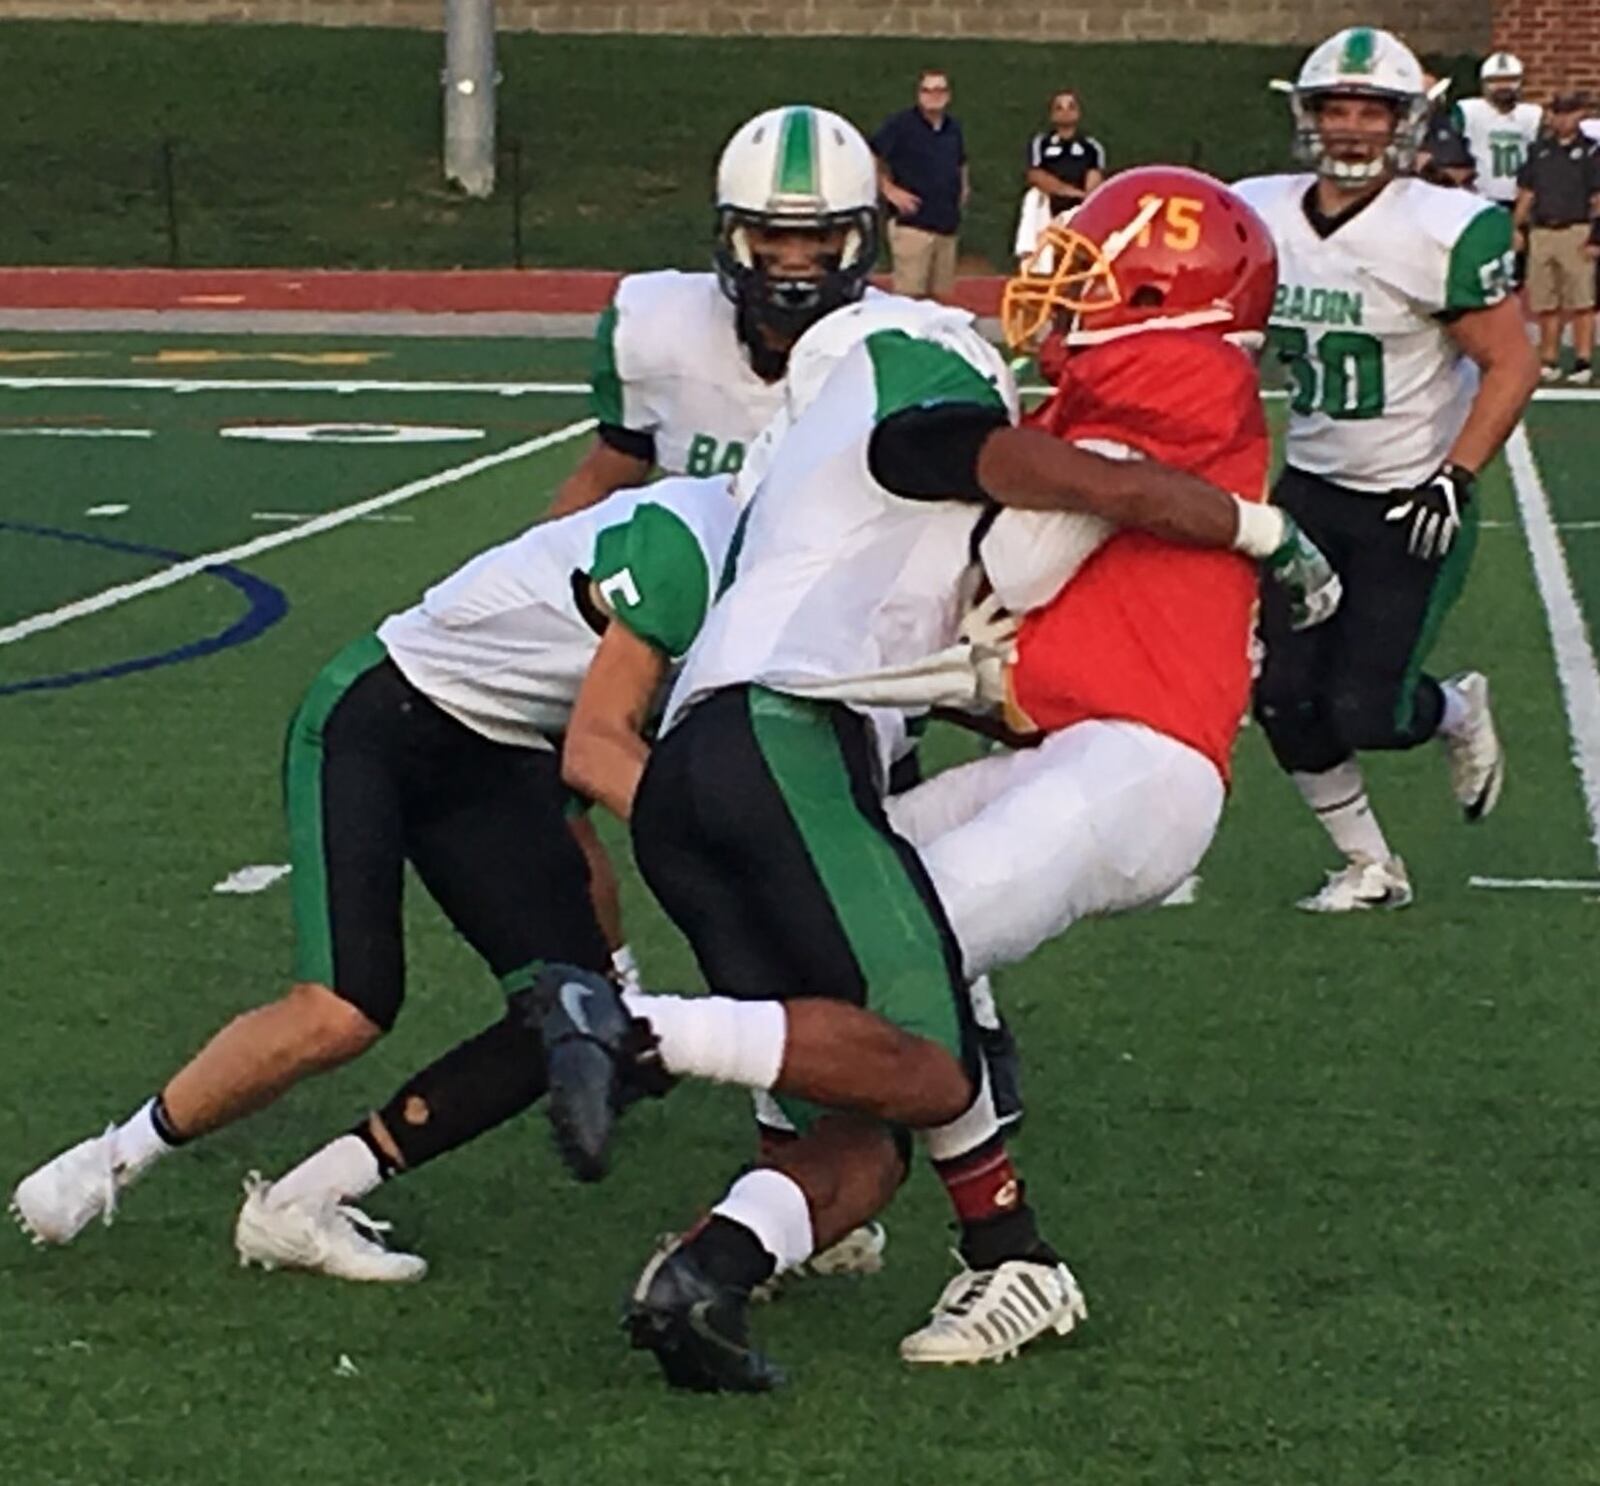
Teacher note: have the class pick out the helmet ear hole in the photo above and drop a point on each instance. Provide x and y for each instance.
(1147, 297)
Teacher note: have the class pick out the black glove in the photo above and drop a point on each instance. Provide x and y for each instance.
(1433, 511)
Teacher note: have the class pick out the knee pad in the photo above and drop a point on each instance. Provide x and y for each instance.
(475, 1086)
(1302, 737)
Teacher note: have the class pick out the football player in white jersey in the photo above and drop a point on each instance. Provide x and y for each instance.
(758, 822)
(1409, 364)
(1498, 128)
(432, 741)
(689, 366)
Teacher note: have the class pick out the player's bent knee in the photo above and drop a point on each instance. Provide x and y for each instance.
(1365, 716)
(332, 1029)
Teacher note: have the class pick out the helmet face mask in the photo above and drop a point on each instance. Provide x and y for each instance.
(1501, 77)
(797, 225)
(785, 271)
(1337, 130)
(1157, 248)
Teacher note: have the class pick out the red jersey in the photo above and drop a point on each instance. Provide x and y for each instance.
(1148, 631)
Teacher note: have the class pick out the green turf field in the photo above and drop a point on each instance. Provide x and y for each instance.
(305, 146)
(1329, 1185)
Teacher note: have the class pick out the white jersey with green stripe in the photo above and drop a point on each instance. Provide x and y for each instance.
(1499, 143)
(669, 363)
(504, 643)
(832, 576)
(1378, 389)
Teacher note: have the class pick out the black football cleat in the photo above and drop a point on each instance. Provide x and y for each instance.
(600, 1059)
(1000, 1056)
(698, 1329)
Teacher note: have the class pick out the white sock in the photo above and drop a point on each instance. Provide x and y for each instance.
(984, 1012)
(626, 968)
(1339, 797)
(342, 1171)
(966, 1132)
(138, 1145)
(772, 1206)
(716, 1037)
(1453, 721)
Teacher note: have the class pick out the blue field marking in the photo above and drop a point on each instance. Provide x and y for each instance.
(267, 605)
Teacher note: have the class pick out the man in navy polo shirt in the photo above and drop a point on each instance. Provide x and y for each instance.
(922, 169)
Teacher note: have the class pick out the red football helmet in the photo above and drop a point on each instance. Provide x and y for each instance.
(1159, 247)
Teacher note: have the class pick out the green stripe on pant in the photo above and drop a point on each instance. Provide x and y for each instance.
(892, 932)
(302, 798)
(1448, 583)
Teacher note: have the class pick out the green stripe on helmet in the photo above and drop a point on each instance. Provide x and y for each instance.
(797, 155)
(1360, 51)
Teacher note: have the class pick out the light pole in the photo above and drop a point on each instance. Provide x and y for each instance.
(469, 89)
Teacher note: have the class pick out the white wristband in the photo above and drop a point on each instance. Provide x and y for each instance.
(1262, 529)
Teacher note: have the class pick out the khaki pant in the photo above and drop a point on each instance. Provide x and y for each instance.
(924, 262)
(1560, 273)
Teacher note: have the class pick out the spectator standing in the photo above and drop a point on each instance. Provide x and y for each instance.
(922, 171)
(1064, 163)
(1558, 219)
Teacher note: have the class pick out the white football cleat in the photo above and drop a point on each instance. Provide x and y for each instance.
(1477, 761)
(988, 1315)
(860, 1251)
(1581, 378)
(54, 1204)
(326, 1237)
(1360, 885)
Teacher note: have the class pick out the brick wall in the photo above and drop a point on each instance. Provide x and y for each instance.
(1431, 25)
(1557, 40)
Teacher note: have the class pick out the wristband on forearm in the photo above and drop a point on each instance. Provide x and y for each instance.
(1262, 529)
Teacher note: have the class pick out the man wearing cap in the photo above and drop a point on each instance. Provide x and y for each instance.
(1558, 222)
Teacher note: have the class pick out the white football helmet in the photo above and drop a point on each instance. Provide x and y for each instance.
(804, 168)
(1501, 77)
(1500, 67)
(1365, 62)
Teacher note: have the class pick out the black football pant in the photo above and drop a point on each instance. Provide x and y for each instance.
(1356, 682)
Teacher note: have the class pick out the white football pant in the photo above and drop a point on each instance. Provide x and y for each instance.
(1100, 818)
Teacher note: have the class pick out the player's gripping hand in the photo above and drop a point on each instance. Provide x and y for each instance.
(1299, 566)
(991, 635)
(1431, 514)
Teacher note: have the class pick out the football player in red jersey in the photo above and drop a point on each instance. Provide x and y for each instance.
(1133, 658)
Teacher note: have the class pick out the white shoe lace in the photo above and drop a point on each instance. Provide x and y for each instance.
(367, 1228)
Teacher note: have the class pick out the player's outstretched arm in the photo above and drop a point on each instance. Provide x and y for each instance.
(604, 753)
(602, 470)
(1028, 468)
(1497, 339)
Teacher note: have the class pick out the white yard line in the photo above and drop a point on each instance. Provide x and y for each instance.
(351, 385)
(1569, 635)
(1540, 884)
(110, 597)
(77, 433)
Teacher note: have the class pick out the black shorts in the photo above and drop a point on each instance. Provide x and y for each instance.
(759, 825)
(376, 775)
(1356, 682)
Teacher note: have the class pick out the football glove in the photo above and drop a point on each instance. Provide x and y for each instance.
(1432, 512)
(1300, 567)
(991, 637)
